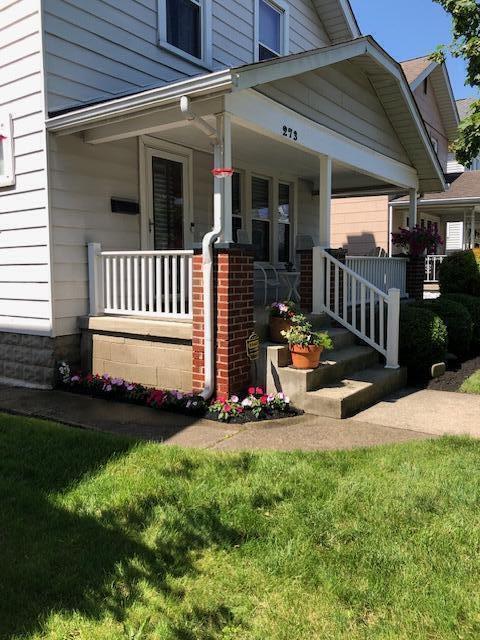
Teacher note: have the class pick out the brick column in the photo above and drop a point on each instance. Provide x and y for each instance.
(305, 263)
(415, 277)
(233, 269)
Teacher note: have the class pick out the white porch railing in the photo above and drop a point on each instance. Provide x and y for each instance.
(149, 284)
(432, 265)
(384, 273)
(360, 306)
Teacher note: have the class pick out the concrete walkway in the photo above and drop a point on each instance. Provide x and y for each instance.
(405, 416)
(303, 432)
(434, 412)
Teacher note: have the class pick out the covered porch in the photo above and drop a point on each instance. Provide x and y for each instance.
(281, 139)
(455, 213)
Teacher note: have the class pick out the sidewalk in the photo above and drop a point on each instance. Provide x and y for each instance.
(303, 432)
(434, 412)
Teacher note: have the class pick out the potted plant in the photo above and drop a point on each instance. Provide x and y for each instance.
(281, 314)
(417, 241)
(306, 346)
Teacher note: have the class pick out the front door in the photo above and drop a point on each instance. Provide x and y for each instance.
(169, 216)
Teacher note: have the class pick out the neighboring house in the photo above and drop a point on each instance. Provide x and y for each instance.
(361, 225)
(453, 166)
(457, 210)
(113, 116)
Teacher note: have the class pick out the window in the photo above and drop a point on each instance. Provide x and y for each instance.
(271, 29)
(7, 174)
(236, 205)
(425, 86)
(434, 143)
(261, 219)
(185, 29)
(284, 228)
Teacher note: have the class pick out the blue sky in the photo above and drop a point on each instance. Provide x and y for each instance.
(411, 28)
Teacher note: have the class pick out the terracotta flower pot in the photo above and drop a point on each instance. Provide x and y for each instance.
(305, 357)
(276, 326)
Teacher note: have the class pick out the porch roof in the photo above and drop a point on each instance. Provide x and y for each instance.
(464, 190)
(384, 74)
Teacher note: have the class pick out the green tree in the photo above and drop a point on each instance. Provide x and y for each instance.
(466, 44)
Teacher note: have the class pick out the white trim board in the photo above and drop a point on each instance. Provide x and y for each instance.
(255, 111)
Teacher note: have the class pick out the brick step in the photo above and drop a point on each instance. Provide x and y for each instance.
(354, 393)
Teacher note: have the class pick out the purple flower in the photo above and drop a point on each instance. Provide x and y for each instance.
(130, 387)
(75, 378)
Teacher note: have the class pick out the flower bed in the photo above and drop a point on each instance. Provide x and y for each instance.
(256, 406)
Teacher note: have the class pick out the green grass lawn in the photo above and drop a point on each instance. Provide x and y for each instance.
(471, 384)
(101, 535)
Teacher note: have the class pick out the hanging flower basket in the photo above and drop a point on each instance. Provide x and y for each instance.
(223, 172)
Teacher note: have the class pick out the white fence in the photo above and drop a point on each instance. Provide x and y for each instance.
(432, 265)
(384, 273)
(150, 284)
(370, 313)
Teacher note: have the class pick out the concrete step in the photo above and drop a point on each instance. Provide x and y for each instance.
(335, 365)
(353, 393)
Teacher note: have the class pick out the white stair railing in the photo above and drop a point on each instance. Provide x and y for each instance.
(360, 306)
(432, 265)
(149, 284)
(384, 273)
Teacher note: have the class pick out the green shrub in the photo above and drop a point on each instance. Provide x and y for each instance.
(458, 322)
(423, 340)
(472, 305)
(460, 273)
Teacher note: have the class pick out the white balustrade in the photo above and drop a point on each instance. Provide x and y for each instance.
(432, 266)
(369, 312)
(150, 284)
(384, 273)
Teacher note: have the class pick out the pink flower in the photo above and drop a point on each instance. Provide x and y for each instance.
(251, 390)
(263, 400)
(259, 391)
(227, 408)
(234, 399)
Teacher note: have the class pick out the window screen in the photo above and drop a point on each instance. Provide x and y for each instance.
(184, 28)
(167, 179)
(283, 222)
(270, 31)
(261, 219)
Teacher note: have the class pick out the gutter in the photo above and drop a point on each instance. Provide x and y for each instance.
(219, 81)
(439, 202)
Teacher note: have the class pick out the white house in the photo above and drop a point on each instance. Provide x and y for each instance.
(113, 115)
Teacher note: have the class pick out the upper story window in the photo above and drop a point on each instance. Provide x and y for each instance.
(7, 174)
(434, 143)
(271, 25)
(185, 29)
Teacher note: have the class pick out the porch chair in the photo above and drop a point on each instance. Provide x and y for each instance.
(266, 274)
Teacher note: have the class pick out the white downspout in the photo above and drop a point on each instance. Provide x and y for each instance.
(207, 244)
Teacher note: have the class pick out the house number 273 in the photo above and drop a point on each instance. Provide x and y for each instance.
(288, 132)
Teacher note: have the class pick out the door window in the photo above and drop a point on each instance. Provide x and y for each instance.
(168, 204)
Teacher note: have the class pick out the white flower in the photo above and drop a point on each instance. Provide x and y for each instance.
(281, 396)
(286, 400)
(234, 399)
(247, 402)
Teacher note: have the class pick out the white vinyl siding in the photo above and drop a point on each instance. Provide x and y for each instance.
(25, 301)
(341, 98)
(83, 180)
(97, 50)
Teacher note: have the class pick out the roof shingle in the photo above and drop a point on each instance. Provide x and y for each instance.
(466, 185)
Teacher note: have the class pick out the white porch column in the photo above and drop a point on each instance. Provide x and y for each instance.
(472, 230)
(227, 182)
(413, 208)
(390, 229)
(325, 201)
